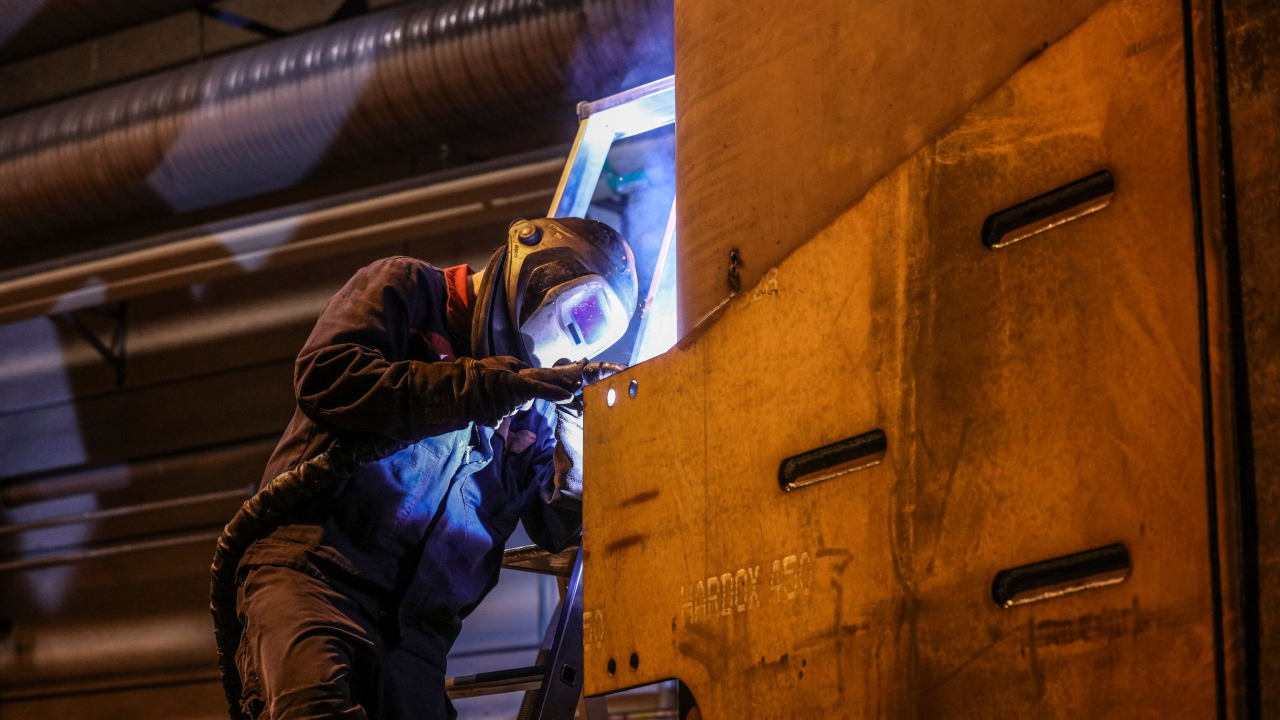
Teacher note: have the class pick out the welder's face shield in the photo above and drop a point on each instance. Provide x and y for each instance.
(579, 318)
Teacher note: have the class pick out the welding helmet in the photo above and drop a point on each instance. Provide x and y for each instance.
(569, 289)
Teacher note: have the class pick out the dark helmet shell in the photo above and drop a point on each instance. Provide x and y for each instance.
(565, 249)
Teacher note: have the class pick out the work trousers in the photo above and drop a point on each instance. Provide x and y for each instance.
(310, 652)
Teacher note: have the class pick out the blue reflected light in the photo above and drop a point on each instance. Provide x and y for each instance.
(621, 172)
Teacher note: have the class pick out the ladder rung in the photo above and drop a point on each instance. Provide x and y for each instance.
(493, 683)
(532, 558)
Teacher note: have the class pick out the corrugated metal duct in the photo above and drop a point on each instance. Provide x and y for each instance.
(366, 89)
(30, 27)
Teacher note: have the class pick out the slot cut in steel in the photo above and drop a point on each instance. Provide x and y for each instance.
(1054, 208)
(1049, 579)
(831, 461)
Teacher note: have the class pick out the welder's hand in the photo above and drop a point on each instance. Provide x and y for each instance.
(567, 376)
(576, 375)
(505, 386)
(502, 362)
(567, 458)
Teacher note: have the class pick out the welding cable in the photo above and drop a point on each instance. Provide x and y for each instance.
(257, 519)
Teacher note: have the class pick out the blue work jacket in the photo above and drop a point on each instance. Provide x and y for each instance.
(387, 358)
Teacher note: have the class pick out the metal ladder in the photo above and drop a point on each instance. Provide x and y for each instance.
(558, 680)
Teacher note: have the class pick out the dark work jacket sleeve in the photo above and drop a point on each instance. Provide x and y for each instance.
(355, 372)
(552, 526)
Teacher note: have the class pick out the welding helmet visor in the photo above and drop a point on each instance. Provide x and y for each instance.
(576, 319)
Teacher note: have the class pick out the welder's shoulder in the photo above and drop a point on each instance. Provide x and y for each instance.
(398, 266)
(404, 273)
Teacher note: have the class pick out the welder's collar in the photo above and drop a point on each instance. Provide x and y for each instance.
(457, 280)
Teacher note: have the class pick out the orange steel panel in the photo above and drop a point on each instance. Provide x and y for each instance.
(1039, 400)
(793, 110)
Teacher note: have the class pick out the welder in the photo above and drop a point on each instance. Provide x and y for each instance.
(351, 604)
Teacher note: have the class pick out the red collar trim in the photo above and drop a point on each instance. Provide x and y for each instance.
(457, 280)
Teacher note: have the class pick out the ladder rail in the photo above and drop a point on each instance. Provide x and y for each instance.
(557, 698)
(557, 682)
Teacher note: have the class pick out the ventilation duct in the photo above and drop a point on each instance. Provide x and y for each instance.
(335, 98)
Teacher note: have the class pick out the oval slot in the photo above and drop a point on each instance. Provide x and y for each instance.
(830, 461)
(1047, 211)
(1095, 568)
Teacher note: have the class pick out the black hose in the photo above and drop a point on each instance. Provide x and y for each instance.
(257, 519)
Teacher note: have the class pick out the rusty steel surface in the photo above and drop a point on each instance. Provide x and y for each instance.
(797, 112)
(1042, 405)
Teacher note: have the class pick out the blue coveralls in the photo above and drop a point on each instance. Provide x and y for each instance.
(350, 608)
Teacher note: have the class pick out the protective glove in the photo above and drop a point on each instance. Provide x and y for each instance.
(504, 386)
(575, 375)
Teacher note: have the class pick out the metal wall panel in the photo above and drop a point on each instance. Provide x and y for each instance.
(795, 110)
(1038, 400)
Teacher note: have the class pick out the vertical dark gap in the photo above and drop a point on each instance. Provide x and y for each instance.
(1241, 410)
(1206, 386)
